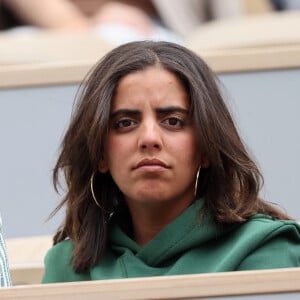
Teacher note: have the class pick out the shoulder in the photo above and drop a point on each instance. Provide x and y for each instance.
(59, 257)
(261, 228)
(58, 264)
(62, 249)
(271, 243)
(269, 227)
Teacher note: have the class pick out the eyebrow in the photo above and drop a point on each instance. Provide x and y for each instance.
(159, 110)
(127, 112)
(171, 109)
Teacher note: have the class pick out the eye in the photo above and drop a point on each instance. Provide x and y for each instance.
(125, 123)
(174, 122)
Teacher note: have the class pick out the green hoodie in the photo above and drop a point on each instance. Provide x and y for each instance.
(188, 245)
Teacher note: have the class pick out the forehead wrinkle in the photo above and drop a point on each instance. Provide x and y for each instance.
(136, 89)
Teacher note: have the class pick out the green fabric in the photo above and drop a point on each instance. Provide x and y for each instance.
(188, 245)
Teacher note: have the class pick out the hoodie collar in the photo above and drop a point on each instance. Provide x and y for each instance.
(188, 230)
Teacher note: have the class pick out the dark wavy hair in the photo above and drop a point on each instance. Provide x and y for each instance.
(230, 185)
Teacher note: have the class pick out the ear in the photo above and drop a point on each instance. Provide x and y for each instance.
(102, 166)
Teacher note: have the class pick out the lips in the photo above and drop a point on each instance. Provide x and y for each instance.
(151, 163)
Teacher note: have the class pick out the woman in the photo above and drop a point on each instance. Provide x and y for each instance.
(158, 180)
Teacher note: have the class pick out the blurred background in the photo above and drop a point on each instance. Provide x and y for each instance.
(211, 24)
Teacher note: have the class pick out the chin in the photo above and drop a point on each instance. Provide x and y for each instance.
(152, 196)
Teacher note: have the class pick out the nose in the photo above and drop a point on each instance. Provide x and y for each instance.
(150, 136)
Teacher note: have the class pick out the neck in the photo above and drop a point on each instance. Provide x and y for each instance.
(149, 221)
(146, 227)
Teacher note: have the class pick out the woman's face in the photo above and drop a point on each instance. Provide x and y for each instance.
(151, 147)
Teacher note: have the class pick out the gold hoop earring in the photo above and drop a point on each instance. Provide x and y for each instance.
(93, 193)
(196, 184)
